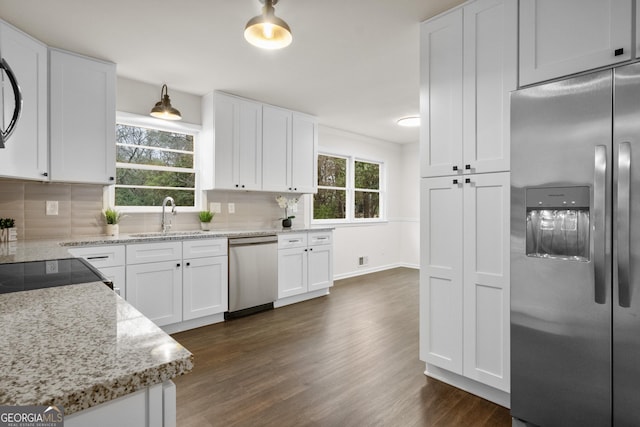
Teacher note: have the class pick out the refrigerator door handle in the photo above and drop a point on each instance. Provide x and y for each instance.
(621, 237)
(599, 227)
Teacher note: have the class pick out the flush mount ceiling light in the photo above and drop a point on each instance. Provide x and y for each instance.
(410, 122)
(163, 108)
(267, 31)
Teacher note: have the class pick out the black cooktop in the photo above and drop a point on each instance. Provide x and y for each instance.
(26, 276)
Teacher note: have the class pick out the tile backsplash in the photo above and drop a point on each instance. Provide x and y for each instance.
(80, 211)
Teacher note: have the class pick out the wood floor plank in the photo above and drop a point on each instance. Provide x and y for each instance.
(347, 359)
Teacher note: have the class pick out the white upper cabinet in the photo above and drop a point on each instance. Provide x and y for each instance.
(441, 95)
(289, 151)
(468, 67)
(82, 114)
(233, 126)
(26, 153)
(276, 137)
(558, 38)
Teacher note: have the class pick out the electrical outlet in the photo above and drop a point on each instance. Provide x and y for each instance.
(363, 260)
(215, 207)
(232, 208)
(52, 207)
(51, 267)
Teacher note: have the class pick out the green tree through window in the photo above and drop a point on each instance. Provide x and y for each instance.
(344, 182)
(152, 164)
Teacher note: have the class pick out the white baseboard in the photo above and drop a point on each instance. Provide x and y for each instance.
(192, 324)
(299, 298)
(363, 271)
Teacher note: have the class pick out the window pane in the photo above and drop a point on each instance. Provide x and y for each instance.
(145, 156)
(367, 175)
(329, 204)
(155, 178)
(153, 138)
(332, 171)
(152, 197)
(367, 205)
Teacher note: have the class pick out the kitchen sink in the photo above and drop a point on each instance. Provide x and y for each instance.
(168, 233)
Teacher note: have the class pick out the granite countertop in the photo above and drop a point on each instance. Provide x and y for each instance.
(79, 346)
(37, 250)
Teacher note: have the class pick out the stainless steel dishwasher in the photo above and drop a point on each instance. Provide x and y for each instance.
(253, 274)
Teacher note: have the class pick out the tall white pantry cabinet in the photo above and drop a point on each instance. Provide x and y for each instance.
(468, 67)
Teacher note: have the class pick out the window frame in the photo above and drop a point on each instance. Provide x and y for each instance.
(351, 190)
(148, 122)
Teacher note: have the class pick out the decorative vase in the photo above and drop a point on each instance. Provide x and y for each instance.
(113, 229)
(286, 223)
(205, 226)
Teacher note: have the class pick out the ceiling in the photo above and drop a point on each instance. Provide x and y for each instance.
(353, 63)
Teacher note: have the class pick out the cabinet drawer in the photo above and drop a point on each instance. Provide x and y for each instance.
(204, 248)
(101, 256)
(154, 252)
(320, 238)
(292, 240)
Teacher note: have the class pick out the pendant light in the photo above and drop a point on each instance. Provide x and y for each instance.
(267, 31)
(163, 108)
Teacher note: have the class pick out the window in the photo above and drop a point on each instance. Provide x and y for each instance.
(348, 190)
(154, 160)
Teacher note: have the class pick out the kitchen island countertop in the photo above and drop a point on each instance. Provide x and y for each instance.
(78, 346)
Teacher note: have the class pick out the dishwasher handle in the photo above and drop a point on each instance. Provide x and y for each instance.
(247, 241)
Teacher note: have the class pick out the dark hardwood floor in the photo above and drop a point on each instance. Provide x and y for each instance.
(347, 359)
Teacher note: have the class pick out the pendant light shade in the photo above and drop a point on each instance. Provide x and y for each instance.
(267, 31)
(163, 108)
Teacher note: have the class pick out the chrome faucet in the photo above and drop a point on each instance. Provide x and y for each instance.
(167, 225)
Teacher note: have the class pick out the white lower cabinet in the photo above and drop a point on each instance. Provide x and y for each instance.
(154, 406)
(204, 278)
(109, 260)
(305, 262)
(156, 290)
(464, 277)
(173, 282)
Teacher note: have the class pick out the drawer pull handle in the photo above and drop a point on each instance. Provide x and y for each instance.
(98, 257)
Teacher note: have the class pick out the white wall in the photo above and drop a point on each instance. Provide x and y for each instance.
(137, 97)
(388, 244)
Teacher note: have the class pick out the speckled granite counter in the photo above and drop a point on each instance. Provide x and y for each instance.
(35, 250)
(79, 346)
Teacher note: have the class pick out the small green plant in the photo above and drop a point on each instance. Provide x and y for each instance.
(7, 223)
(206, 216)
(112, 216)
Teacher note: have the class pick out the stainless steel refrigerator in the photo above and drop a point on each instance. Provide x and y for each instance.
(575, 251)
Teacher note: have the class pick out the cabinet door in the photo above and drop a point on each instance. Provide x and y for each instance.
(238, 143)
(83, 108)
(304, 153)
(558, 38)
(292, 272)
(26, 153)
(486, 280)
(156, 290)
(441, 95)
(276, 137)
(249, 129)
(490, 60)
(226, 174)
(320, 266)
(441, 273)
(117, 276)
(204, 287)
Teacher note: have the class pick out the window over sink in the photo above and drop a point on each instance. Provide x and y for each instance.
(349, 190)
(154, 159)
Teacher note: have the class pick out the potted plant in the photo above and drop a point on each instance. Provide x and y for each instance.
(205, 219)
(8, 231)
(112, 217)
(287, 204)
